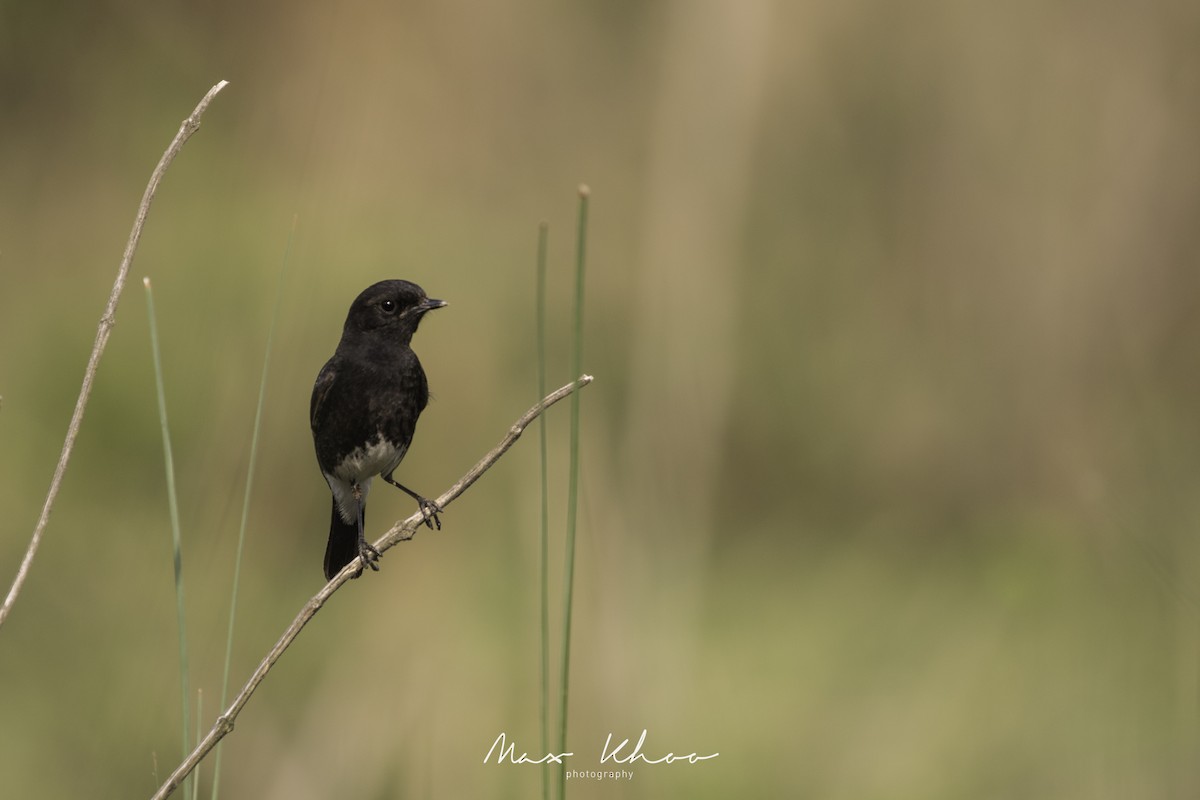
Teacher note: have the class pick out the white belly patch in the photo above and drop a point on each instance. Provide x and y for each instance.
(377, 458)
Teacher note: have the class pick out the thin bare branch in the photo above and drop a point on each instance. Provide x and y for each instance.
(402, 531)
(107, 320)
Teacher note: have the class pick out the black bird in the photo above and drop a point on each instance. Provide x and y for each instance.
(364, 411)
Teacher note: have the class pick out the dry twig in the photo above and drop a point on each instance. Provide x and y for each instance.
(107, 320)
(400, 532)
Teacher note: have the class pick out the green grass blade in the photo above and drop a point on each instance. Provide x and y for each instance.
(241, 542)
(572, 484)
(543, 235)
(173, 505)
(199, 733)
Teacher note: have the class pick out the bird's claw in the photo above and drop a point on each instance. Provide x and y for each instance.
(369, 555)
(430, 511)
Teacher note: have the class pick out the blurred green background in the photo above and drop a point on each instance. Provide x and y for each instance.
(890, 467)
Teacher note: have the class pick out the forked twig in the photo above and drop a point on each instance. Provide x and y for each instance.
(400, 532)
(107, 320)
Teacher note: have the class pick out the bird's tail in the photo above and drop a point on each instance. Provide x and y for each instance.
(343, 543)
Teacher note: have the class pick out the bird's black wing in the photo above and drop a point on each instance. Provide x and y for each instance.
(321, 388)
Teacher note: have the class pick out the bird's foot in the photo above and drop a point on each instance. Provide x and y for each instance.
(430, 511)
(369, 555)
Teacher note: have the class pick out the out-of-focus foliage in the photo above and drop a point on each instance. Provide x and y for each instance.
(891, 460)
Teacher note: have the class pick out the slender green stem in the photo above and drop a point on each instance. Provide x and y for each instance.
(572, 485)
(237, 560)
(543, 234)
(199, 733)
(173, 505)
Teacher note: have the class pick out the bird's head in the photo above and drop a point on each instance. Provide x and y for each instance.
(395, 307)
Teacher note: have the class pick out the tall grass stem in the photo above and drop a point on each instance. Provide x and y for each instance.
(572, 484)
(241, 541)
(176, 539)
(543, 236)
(199, 733)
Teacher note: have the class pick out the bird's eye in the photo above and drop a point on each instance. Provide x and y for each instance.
(388, 306)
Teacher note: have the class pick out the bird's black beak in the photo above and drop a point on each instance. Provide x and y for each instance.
(429, 304)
